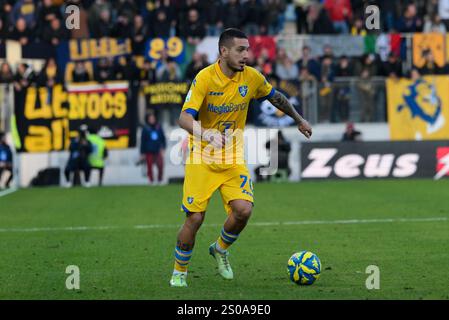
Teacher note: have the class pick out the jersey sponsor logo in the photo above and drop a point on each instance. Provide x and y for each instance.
(353, 165)
(226, 108)
(243, 90)
(442, 168)
(189, 95)
(215, 93)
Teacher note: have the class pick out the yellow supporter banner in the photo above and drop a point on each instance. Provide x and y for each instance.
(418, 109)
(428, 41)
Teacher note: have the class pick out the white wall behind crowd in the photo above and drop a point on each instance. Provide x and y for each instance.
(121, 168)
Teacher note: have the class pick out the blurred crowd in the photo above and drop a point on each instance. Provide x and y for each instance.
(44, 21)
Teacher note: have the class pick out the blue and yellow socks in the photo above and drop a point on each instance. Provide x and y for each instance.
(225, 240)
(182, 259)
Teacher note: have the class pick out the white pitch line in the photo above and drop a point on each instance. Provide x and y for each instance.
(255, 224)
(7, 191)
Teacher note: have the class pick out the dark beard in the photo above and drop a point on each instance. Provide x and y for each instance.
(234, 69)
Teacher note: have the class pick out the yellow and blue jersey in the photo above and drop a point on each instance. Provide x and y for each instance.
(221, 103)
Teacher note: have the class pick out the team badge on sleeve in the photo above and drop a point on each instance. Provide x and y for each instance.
(190, 200)
(243, 90)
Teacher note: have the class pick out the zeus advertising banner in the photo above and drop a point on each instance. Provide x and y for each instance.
(375, 160)
(418, 109)
(47, 118)
(264, 114)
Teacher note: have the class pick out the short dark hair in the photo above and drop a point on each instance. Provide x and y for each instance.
(228, 35)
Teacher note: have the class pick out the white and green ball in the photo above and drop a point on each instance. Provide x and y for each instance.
(304, 267)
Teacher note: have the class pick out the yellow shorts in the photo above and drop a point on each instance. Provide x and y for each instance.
(201, 181)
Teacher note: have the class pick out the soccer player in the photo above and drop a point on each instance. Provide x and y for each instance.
(215, 107)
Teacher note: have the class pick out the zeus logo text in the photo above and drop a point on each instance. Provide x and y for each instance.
(355, 165)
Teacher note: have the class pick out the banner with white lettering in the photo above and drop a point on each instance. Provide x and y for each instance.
(375, 160)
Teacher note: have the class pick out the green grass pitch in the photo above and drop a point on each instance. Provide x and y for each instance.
(126, 249)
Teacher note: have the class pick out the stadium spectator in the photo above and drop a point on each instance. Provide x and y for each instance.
(318, 20)
(6, 160)
(284, 68)
(125, 69)
(252, 13)
(80, 73)
(443, 12)
(80, 148)
(358, 28)
(168, 71)
(434, 24)
(340, 13)
(199, 61)
(392, 67)
(49, 74)
(351, 134)
(24, 77)
(24, 9)
(367, 62)
(430, 67)
(161, 25)
(410, 21)
(55, 33)
(232, 14)
(99, 153)
(194, 30)
(102, 27)
(139, 35)
(46, 13)
(104, 70)
(264, 65)
(4, 30)
(325, 94)
(388, 15)
(123, 28)
(309, 63)
(367, 93)
(147, 74)
(6, 74)
(96, 13)
(282, 153)
(340, 106)
(274, 18)
(21, 32)
(302, 12)
(212, 11)
(152, 147)
(328, 52)
(125, 8)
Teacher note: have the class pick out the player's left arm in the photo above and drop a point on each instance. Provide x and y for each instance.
(281, 102)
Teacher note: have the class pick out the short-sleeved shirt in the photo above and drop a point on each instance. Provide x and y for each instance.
(221, 103)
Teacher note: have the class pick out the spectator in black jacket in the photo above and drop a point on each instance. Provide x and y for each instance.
(104, 71)
(24, 77)
(194, 30)
(212, 13)
(49, 75)
(55, 33)
(102, 27)
(80, 73)
(6, 160)
(21, 32)
(232, 14)
(46, 13)
(392, 67)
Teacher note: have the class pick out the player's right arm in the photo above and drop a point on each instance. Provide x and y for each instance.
(188, 120)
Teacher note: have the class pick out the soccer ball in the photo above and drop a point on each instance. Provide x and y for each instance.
(304, 267)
